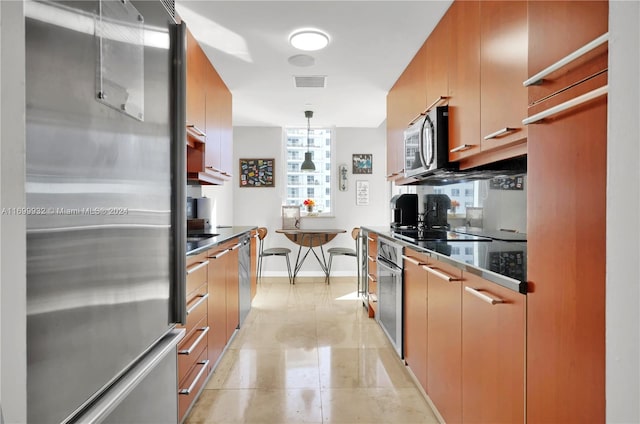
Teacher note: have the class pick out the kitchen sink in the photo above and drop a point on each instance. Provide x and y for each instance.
(200, 236)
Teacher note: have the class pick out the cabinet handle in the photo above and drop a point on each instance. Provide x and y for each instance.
(213, 169)
(235, 246)
(371, 258)
(371, 278)
(438, 101)
(193, 385)
(567, 105)
(197, 130)
(537, 78)
(500, 132)
(412, 260)
(482, 296)
(202, 297)
(462, 148)
(370, 239)
(188, 351)
(440, 274)
(219, 254)
(197, 267)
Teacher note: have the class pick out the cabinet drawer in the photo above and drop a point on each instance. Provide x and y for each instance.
(196, 272)
(190, 386)
(196, 307)
(191, 348)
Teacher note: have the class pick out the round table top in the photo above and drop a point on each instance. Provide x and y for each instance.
(310, 237)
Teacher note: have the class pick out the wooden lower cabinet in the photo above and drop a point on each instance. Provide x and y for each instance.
(192, 350)
(493, 352)
(372, 273)
(415, 314)
(444, 332)
(217, 302)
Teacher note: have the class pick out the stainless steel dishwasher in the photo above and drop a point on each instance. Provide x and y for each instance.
(244, 269)
(390, 291)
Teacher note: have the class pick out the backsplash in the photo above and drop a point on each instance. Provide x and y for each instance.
(500, 203)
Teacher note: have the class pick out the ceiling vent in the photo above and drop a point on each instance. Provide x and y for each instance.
(313, 81)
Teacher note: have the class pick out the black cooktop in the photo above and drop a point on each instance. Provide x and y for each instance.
(416, 235)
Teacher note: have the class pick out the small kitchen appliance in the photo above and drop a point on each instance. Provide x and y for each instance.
(404, 211)
(435, 211)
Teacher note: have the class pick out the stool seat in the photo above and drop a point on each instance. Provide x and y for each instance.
(272, 251)
(341, 251)
(276, 251)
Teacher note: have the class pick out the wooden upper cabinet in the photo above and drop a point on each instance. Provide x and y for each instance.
(503, 68)
(405, 101)
(558, 28)
(493, 353)
(437, 48)
(464, 79)
(209, 126)
(213, 108)
(196, 76)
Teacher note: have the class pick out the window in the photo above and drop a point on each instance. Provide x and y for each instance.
(315, 185)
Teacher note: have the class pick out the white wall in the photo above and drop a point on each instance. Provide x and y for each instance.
(623, 216)
(262, 206)
(13, 342)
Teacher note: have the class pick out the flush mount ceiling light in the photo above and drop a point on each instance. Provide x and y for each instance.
(309, 39)
(308, 164)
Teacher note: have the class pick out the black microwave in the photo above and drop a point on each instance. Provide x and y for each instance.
(426, 144)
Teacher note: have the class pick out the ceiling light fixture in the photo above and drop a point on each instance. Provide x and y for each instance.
(308, 164)
(309, 39)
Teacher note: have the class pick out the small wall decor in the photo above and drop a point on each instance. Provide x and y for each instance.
(342, 177)
(257, 173)
(362, 193)
(507, 183)
(362, 163)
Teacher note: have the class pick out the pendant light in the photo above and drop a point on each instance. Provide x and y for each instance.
(308, 164)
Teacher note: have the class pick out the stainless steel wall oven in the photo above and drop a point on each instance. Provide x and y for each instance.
(390, 291)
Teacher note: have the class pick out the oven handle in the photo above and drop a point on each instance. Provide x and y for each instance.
(384, 264)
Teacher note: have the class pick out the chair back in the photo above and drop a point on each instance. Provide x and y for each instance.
(262, 232)
(355, 233)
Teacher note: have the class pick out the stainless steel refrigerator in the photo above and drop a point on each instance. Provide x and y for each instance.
(105, 210)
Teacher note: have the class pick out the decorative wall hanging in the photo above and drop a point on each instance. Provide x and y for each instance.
(343, 171)
(507, 183)
(362, 193)
(257, 173)
(362, 163)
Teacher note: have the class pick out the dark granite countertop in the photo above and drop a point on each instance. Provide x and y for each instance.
(501, 262)
(222, 234)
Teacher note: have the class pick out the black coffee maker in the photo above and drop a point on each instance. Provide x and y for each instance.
(435, 211)
(404, 211)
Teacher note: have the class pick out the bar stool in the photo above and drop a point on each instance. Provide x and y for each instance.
(345, 251)
(273, 251)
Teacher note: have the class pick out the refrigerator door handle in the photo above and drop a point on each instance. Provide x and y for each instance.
(178, 302)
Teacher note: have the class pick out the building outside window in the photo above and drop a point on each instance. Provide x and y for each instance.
(316, 184)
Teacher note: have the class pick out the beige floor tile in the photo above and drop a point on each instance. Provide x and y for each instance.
(351, 406)
(309, 353)
(257, 406)
(370, 368)
(267, 369)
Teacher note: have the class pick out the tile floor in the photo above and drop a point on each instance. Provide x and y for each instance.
(308, 353)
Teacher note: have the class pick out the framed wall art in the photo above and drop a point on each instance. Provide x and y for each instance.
(362, 163)
(257, 173)
(362, 193)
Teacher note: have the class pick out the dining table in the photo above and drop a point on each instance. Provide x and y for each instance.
(311, 239)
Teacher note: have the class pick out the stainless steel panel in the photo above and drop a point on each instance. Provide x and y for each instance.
(98, 190)
(244, 268)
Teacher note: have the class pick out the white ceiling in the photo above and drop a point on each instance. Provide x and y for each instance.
(371, 44)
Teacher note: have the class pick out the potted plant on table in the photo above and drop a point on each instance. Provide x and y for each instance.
(309, 204)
